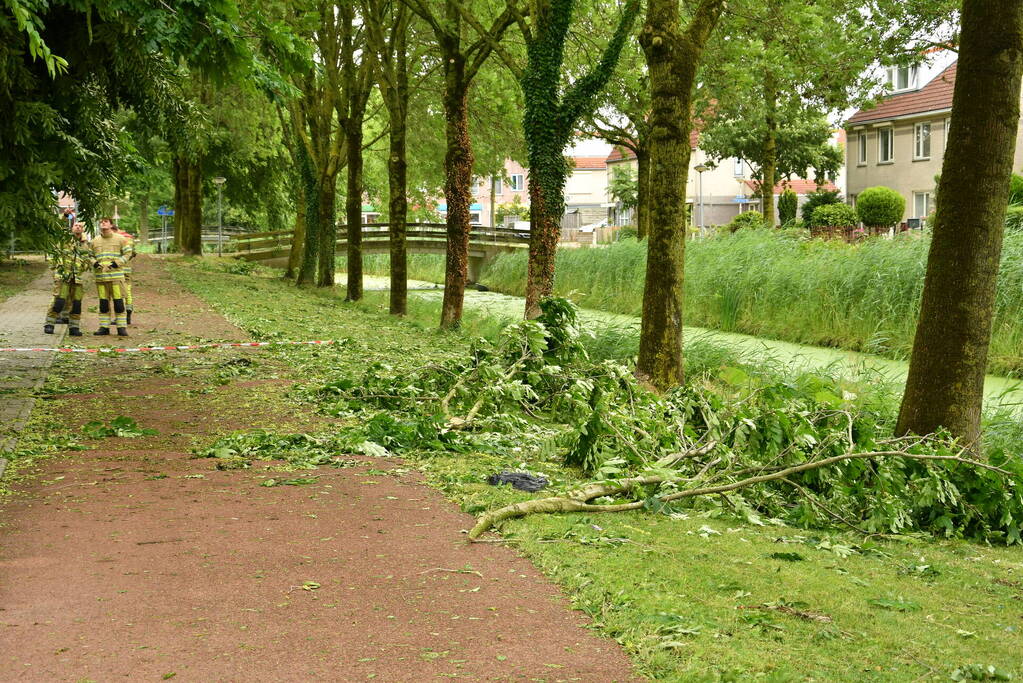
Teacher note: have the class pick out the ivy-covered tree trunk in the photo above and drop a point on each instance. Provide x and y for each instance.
(769, 170)
(297, 237)
(353, 211)
(326, 191)
(397, 181)
(946, 370)
(642, 191)
(458, 162)
(672, 59)
(311, 243)
(549, 121)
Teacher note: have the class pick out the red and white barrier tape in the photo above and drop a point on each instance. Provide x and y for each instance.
(220, 345)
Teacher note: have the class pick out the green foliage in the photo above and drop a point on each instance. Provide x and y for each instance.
(1014, 219)
(514, 208)
(624, 187)
(815, 199)
(834, 216)
(747, 220)
(627, 232)
(787, 204)
(880, 207)
(298, 451)
(1015, 189)
(121, 426)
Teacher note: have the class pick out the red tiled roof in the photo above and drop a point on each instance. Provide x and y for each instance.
(934, 96)
(589, 163)
(797, 185)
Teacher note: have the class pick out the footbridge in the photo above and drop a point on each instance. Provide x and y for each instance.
(274, 248)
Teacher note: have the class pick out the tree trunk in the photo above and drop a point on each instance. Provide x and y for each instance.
(770, 166)
(545, 212)
(144, 218)
(353, 210)
(949, 360)
(326, 191)
(311, 243)
(672, 58)
(397, 180)
(642, 192)
(187, 206)
(297, 238)
(457, 187)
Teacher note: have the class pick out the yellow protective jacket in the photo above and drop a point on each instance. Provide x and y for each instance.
(109, 254)
(72, 261)
(130, 254)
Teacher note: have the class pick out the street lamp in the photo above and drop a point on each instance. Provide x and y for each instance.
(220, 214)
(700, 169)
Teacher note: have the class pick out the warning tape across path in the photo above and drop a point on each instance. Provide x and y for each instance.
(190, 347)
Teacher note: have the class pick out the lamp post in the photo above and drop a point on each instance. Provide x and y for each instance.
(700, 168)
(220, 213)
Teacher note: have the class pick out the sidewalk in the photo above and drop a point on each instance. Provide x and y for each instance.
(21, 325)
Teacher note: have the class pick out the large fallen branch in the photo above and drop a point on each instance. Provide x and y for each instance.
(578, 500)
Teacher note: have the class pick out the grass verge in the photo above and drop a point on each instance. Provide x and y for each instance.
(698, 595)
(16, 274)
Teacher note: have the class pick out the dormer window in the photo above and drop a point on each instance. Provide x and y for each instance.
(900, 78)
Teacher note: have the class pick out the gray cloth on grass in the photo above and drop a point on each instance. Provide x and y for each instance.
(520, 480)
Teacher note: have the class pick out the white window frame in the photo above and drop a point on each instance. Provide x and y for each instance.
(861, 150)
(948, 124)
(517, 182)
(890, 131)
(928, 201)
(912, 73)
(918, 138)
(498, 186)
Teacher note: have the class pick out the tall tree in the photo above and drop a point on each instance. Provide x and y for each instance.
(673, 57)
(387, 34)
(462, 60)
(946, 369)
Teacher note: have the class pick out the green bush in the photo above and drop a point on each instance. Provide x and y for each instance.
(1014, 219)
(880, 207)
(818, 198)
(834, 216)
(627, 232)
(787, 204)
(747, 220)
(1016, 189)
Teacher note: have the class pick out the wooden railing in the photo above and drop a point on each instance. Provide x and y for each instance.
(376, 232)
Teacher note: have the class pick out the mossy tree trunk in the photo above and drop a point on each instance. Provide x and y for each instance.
(949, 359)
(188, 205)
(310, 244)
(458, 161)
(769, 170)
(297, 235)
(673, 57)
(551, 116)
(144, 217)
(642, 191)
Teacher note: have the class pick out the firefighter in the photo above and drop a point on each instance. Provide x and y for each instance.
(69, 266)
(128, 302)
(110, 253)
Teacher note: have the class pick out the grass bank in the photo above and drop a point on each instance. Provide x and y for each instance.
(862, 297)
(17, 273)
(697, 594)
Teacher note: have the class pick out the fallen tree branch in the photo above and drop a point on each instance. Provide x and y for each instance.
(577, 500)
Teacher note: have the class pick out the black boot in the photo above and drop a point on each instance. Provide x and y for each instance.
(74, 332)
(62, 321)
(48, 328)
(101, 332)
(129, 316)
(122, 331)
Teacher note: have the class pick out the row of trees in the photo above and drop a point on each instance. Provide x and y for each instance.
(285, 97)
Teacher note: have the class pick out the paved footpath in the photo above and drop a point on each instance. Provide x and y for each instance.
(21, 325)
(133, 560)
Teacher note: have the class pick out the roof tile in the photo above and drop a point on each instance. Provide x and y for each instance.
(934, 96)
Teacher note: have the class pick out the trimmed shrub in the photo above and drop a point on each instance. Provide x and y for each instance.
(787, 203)
(834, 216)
(747, 220)
(880, 207)
(818, 198)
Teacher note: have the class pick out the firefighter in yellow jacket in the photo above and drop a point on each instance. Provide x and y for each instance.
(129, 304)
(70, 264)
(110, 253)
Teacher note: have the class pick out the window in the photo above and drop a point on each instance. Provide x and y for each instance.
(498, 186)
(739, 169)
(922, 141)
(862, 147)
(901, 78)
(885, 145)
(948, 122)
(921, 204)
(517, 184)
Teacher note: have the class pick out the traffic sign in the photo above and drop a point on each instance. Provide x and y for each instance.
(164, 211)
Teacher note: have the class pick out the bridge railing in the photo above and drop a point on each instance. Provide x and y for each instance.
(372, 232)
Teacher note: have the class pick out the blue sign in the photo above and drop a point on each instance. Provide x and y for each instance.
(741, 199)
(164, 211)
